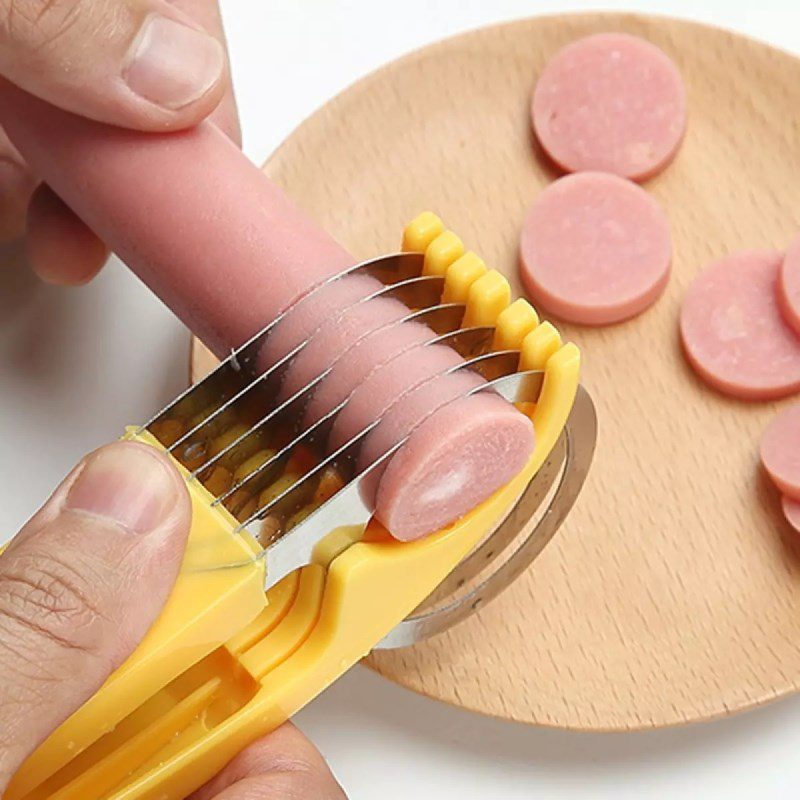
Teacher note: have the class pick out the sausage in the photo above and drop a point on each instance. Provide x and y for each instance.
(308, 313)
(355, 365)
(595, 249)
(228, 252)
(187, 211)
(789, 286)
(337, 334)
(780, 451)
(610, 102)
(733, 333)
(370, 400)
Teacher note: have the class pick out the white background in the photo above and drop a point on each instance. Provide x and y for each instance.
(75, 365)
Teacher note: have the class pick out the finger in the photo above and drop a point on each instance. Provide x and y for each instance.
(207, 14)
(140, 63)
(80, 586)
(60, 247)
(16, 185)
(281, 766)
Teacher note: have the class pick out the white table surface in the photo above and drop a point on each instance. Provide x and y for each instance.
(77, 364)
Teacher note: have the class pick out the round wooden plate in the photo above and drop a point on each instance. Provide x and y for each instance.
(672, 593)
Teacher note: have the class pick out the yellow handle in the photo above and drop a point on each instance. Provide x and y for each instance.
(208, 605)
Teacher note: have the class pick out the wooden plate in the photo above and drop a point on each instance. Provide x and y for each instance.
(672, 593)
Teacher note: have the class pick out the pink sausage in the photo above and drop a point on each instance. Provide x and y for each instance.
(780, 451)
(353, 367)
(203, 227)
(595, 249)
(336, 336)
(791, 510)
(434, 480)
(308, 313)
(610, 102)
(733, 333)
(370, 400)
(408, 410)
(789, 286)
(198, 222)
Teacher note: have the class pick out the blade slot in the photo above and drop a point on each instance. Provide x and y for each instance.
(467, 341)
(490, 366)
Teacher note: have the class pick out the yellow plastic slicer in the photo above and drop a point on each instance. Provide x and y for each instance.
(287, 581)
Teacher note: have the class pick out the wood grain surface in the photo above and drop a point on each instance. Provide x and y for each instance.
(672, 593)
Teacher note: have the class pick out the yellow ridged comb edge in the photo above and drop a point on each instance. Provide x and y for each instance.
(488, 297)
(441, 253)
(421, 232)
(460, 276)
(513, 324)
(538, 346)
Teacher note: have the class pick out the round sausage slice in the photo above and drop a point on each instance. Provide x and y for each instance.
(791, 510)
(610, 102)
(789, 286)
(595, 249)
(733, 333)
(433, 480)
(780, 451)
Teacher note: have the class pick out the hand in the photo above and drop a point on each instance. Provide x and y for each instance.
(152, 65)
(80, 586)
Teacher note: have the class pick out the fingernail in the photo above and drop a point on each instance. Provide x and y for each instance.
(127, 485)
(171, 64)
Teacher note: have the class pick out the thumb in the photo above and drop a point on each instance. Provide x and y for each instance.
(80, 586)
(140, 64)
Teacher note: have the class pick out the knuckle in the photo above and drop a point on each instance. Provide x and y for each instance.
(38, 24)
(49, 599)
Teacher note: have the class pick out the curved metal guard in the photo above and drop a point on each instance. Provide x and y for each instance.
(574, 451)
